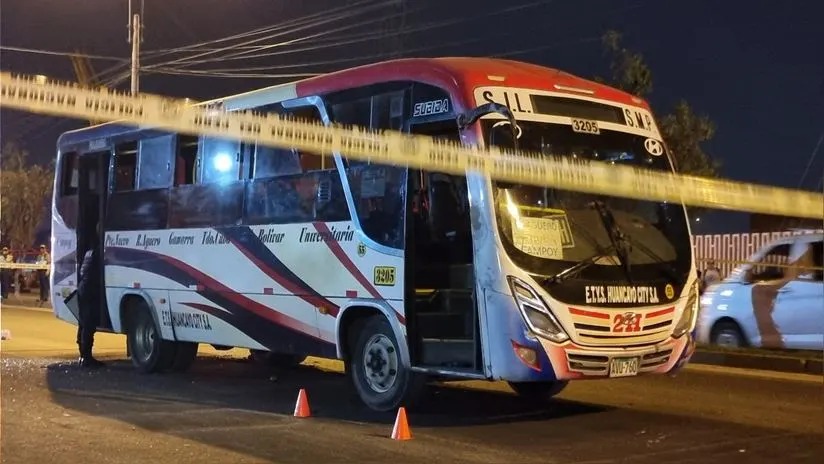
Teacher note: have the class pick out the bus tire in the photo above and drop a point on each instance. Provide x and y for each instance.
(149, 352)
(185, 355)
(538, 391)
(375, 368)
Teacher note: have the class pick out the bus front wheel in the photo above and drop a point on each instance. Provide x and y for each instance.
(382, 381)
(538, 391)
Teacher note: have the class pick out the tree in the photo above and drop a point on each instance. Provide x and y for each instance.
(24, 191)
(684, 133)
(682, 129)
(630, 72)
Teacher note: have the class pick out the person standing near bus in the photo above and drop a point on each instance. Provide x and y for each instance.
(44, 258)
(6, 274)
(712, 274)
(88, 291)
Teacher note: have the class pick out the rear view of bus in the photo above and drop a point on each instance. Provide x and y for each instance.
(603, 286)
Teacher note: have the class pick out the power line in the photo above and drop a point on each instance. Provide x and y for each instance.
(258, 31)
(371, 36)
(813, 156)
(190, 72)
(359, 58)
(115, 74)
(59, 53)
(547, 46)
(230, 47)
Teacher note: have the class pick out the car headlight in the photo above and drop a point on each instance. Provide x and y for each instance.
(535, 312)
(688, 317)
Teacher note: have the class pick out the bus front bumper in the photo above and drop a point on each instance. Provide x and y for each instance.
(569, 361)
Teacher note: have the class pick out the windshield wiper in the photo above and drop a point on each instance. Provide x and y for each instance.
(608, 253)
(669, 269)
(616, 237)
(580, 266)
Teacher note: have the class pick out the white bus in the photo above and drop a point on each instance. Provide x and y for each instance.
(404, 274)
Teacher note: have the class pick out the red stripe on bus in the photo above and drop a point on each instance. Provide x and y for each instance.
(584, 312)
(660, 312)
(290, 286)
(350, 266)
(242, 301)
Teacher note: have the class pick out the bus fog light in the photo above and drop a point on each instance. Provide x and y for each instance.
(527, 355)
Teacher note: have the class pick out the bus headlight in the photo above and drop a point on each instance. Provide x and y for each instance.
(535, 312)
(687, 321)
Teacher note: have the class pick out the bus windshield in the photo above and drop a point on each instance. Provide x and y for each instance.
(546, 231)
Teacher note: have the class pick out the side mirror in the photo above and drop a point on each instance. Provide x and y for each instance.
(464, 120)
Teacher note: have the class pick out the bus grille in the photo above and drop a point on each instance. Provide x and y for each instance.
(614, 327)
(596, 364)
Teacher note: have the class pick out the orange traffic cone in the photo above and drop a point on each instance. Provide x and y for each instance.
(401, 429)
(302, 405)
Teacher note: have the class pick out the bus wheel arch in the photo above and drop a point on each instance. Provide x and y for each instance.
(377, 360)
(149, 351)
(352, 318)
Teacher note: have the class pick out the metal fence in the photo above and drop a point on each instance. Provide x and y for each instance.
(730, 249)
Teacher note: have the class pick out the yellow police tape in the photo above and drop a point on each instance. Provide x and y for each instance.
(29, 266)
(177, 115)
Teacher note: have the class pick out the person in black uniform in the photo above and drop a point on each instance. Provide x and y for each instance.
(88, 292)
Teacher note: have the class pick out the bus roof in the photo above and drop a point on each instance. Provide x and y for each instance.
(458, 75)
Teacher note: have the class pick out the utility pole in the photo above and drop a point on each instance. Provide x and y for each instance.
(135, 37)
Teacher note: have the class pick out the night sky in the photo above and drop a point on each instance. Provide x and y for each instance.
(756, 67)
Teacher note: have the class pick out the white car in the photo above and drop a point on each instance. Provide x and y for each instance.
(774, 301)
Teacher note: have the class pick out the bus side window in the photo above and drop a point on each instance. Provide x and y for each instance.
(309, 161)
(185, 160)
(68, 174)
(275, 162)
(125, 167)
(219, 160)
(377, 190)
(154, 161)
(291, 186)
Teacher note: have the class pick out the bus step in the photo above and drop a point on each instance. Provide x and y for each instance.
(448, 353)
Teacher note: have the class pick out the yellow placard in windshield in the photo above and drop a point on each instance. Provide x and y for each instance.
(557, 215)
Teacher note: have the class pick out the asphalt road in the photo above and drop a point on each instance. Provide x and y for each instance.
(229, 410)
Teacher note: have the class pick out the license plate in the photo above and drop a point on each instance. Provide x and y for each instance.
(623, 367)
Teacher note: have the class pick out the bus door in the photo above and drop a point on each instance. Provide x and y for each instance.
(442, 314)
(93, 182)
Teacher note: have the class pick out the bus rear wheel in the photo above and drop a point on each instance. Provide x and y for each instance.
(149, 352)
(538, 391)
(379, 376)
